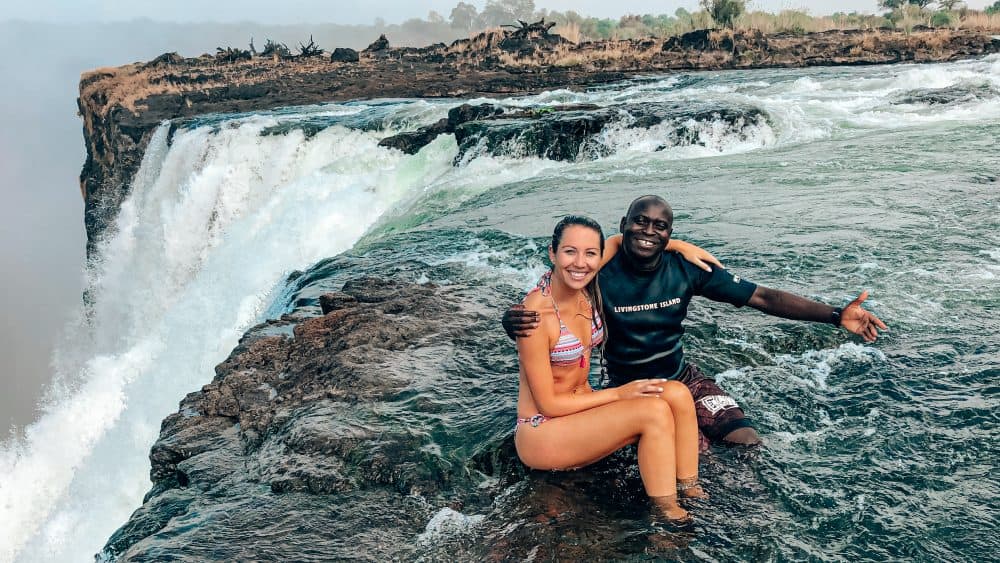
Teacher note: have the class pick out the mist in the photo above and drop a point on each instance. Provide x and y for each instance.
(42, 238)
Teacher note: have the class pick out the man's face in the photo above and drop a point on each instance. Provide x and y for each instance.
(646, 230)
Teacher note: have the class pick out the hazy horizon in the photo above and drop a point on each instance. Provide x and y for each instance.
(355, 12)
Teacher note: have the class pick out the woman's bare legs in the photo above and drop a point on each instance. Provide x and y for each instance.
(587, 436)
(677, 395)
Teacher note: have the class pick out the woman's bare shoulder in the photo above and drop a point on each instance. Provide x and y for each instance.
(536, 301)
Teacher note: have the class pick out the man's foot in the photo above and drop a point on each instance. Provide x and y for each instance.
(689, 488)
(668, 508)
(745, 436)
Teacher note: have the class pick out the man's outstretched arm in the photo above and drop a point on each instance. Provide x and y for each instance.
(791, 306)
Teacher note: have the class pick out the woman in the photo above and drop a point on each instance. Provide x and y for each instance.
(563, 423)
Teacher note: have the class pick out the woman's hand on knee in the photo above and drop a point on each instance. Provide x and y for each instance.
(641, 388)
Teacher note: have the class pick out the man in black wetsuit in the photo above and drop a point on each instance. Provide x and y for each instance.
(646, 293)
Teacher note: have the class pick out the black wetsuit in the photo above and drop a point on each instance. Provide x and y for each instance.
(644, 311)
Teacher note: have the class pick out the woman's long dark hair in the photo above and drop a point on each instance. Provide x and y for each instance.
(593, 289)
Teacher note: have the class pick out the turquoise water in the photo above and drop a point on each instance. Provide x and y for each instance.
(856, 181)
(873, 452)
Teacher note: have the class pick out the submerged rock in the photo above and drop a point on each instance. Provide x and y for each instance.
(946, 96)
(574, 132)
(411, 142)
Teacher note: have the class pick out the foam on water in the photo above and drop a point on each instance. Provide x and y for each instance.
(448, 522)
(714, 138)
(494, 263)
(813, 368)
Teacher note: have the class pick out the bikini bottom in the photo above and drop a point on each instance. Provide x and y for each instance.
(533, 420)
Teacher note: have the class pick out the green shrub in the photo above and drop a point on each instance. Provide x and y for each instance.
(724, 12)
(941, 19)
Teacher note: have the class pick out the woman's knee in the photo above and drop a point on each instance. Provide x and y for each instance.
(655, 413)
(678, 396)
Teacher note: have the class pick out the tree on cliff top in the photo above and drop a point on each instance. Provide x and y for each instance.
(506, 12)
(724, 12)
(896, 4)
(463, 16)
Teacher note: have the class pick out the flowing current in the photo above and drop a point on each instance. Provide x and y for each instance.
(880, 178)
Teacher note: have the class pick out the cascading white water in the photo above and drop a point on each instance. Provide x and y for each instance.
(217, 218)
(212, 224)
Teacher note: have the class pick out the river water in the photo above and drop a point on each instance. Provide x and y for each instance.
(878, 178)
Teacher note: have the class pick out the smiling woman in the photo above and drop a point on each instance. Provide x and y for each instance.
(562, 422)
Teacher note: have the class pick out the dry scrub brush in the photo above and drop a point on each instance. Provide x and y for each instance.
(569, 31)
(980, 21)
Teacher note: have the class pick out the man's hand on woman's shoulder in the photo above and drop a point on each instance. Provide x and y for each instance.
(518, 321)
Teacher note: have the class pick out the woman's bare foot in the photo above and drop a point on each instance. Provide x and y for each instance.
(668, 507)
(689, 488)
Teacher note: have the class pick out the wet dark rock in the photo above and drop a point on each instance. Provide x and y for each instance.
(410, 142)
(327, 445)
(575, 132)
(569, 132)
(945, 96)
(467, 112)
(344, 55)
(330, 302)
(303, 415)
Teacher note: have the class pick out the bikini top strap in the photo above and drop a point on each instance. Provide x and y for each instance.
(556, 307)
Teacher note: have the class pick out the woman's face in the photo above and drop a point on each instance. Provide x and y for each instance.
(578, 257)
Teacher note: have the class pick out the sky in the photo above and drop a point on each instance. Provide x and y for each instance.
(365, 11)
(41, 147)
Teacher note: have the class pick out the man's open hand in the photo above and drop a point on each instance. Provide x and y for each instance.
(859, 321)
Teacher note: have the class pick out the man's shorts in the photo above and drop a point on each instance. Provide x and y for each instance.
(718, 413)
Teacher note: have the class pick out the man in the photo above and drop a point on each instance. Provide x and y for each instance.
(646, 293)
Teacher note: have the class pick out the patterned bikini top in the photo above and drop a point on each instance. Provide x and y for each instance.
(569, 350)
